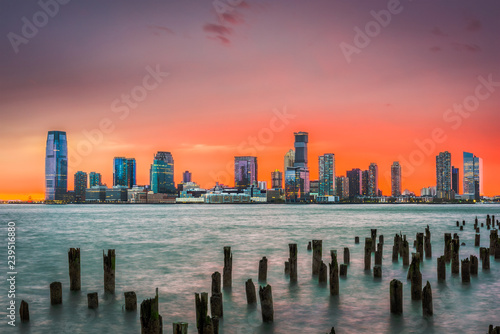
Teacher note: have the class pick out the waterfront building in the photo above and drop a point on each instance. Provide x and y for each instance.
(56, 166)
(355, 187)
(277, 179)
(289, 159)
(455, 180)
(95, 179)
(80, 186)
(473, 175)
(373, 190)
(443, 175)
(161, 174)
(326, 180)
(396, 179)
(124, 172)
(245, 172)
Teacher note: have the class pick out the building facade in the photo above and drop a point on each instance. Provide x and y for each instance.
(443, 175)
(326, 180)
(277, 179)
(289, 160)
(355, 178)
(473, 175)
(455, 180)
(80, 186)
(396, 179)
(373, 180)
(297, 185)
(95, 179)
(245, 172)
(56, 166)
(124, 172)
(186, 177)
(161, 174)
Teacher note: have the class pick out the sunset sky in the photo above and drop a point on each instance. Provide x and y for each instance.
(406, 89)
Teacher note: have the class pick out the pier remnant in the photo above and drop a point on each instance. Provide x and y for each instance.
(396, 296)
(466, 271)
(228, 268)
(373, 233)
(415, 277)
(74, 269)
(216, 305)
(368, 253)
(92, 300)
(216, 282)
(180, 327)
(347, 255)
(203, 321)
(343, 270)
(441, 268)
(130, 301)
(287, 268)
(266, 303)
(109, 271)
(447, 247)
(484, 253)
(309, 247)
(420, 245)
(24, 312)
(427, 308)
(263, 269)
(250, 291)
(334, 275)
(377, 271)
(477, 240)
(455, 259)
(292, 260)
(317, 256)
(405, 252)
(356, 240)
(378, 254)
(55, 293)
(427, 243)
(151, 320)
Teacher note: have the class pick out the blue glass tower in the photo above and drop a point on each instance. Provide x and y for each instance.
(162, 174)
(124, 172)
(56, 166)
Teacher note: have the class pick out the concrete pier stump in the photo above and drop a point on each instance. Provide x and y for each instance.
(92, 300)
(130, 301)
(228, 268)
(109, 271)
(317, 256)
(292, 260)
(396, 296)
(263, 269)
(24, 312)
(74, 269)
(441, 268)
(55, 293)
(250, 292)
(368, 253)
(427, 307)
(266, 303)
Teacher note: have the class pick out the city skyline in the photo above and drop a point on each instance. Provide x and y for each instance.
(130, 79)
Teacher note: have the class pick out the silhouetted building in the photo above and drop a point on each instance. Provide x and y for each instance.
(80, 186)
(326, 180)
(277, 179)
(355, 179)
(186, 177)
(443, 175)
(95, 179)
(373, 180)
(396, 179)
(245, 172)
(365, 178)
(56, 166)
(455, 180)
(124, 172)
(161, 174)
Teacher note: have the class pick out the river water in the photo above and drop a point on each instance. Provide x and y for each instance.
(177, 247)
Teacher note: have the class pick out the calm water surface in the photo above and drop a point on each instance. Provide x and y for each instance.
(177, 247)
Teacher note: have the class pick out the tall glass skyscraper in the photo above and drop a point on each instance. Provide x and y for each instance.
(373, 180)
(162, 174)
(289, 159)
(124, 172)
(56, 166)
(297, 186)
(443, 175)
(473, 175)
(355, 177)
(396, 179)
(326, 180)
(95, 179)
(277, 179)
(245, 172)
(455, 179)
(80, 186)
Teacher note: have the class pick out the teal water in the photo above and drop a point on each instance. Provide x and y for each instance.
(177, 247)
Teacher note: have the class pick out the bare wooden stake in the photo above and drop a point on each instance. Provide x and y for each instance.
(228, 268)
(55, 293)
(396, 296)
(266, 303)
(74, 269)
(250, 291)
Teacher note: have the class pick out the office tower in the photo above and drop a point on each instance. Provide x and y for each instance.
(80, 186)
(124, 172)
(95, 179)
(245, 172)
(473, 175)
(161, 174)
(277, 179)
(342, 187)
(56, 166)
(455, 179)
(263, 185)
(373, 180)
(443, 175)
(326, 175)
(289, 159)
(301, 140)
(186, 177)
(297, 185)
(314, 187)
(365, 178)
(355, 178)
(396, 179)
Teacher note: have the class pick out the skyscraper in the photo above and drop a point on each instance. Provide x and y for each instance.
(443, 175)
(124, 172)
(289, 159)
(365, 179)
(342, 187)
(355, 178)
(95, 179)
(162, 174)
(396, 179)
(455, 179)
(301, 140)
(373, 180)
(56, 166)
(245, 172)
(327, 175)
(277, 179)
(186, 177)
(297, 185)
(80, 186)
(473, 175)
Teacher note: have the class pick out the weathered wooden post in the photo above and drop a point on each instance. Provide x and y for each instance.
(317, 256)
(216, 303)
(323, 273)
(427, 308)
(216, 283)
(130, 301)
(377, 271)
(477, 241)
(447, 247)
(493, 241)
(334, 275)
(395, 253)
(250, 290)
(343, 270)
(347, 255)
(180, 327)
(378, 254)
(368, 253)
(420, 245)
(466, 271)
(373, 232)
(92, 300)
(74, 269)
(287, 268)
(215, 325)
(24, 312)
(55, 293)
(406, 253)
(266, 303)
(461, 228)
(474, 264)
(263, 269)
(228, 268)
(484, 253)
(109, 271)
(458, 223)
(292, 260)
(151, 320)
(416, 278)
(203, 321)
(497, 249)
(455, 259)
(396, 296)
(441, 268)
(427, 243)
(309, 246)
(381, 239)
(356, 240)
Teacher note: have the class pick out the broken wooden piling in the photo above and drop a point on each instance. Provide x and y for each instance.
(441, 268)
(356, 240)
(180, 328)
(151, 320)
(493, 241)
(317, 256)
(263, 269)
(427, 308)
(474, 264)
(447, 247)
(368, 253)
(323, 273)
(343, 270)
(74, 269)
(347, 255)
(455, 258)
(377, 271)
(373, 233)
(92, 300)
(466, 271)
(55, 293)
(266, 303)
(396, 296)
(420, 245)
(228, 268)
(130, 301)
(405, 252)
(250, 292)
(427, 243)
(484, 254)
(415, 277)
(334, 275)
(378, 254)
(24, 312)
(477, 240)
(203, 321)
(292, 260)
(109, 270)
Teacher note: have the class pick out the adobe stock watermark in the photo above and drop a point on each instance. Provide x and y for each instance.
(363, 37)
(121, 107)
(30, 27)
(225, 6)
(454, 118)
(255, 143)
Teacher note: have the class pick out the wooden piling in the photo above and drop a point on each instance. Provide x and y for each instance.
(347, 255)
(466, 271)
(24, 312)
(455, 258)
(180, 327)
(317, 256)
(215, 325)
(474, 264)
(378, 254)
(323, 273)
(427, 308)
(396, 296)
(343, 270)
(202, 319)
(266, 303)
(493, 241)
(406, 252)
(377, 271)
(109, 271)
(427, 243)
(130, 301)
(395, 253)
(92, 300)
(477, 240)
(228, 268)
(74, 269)
(216, 283)
(356, 240)
(415, 278)
(381, 239)
(216, 305)
(484, 254)
(55, 293)
(292, 260)
(368, 253)
(373, 233)
(447, 247)
(250, 291)
(420, 245)
(287, 268)
(151, 320)
(263, 269)
(441, 268)
(334, 275)
(309, 246)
